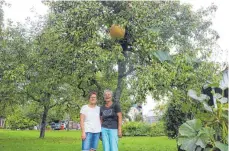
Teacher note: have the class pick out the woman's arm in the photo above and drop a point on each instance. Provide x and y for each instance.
(101, 120)
(119, 114)
(101, 116)
(83, 135)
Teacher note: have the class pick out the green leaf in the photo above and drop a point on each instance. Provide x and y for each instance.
(207, 107)
(217, 95)
(193, 95)
(223, 100)
(221, 146)
(214, 85)
(190, 128)
(200, 142)
(198, 149)
(201, 98)
(208, 149)
(188, 143)
(204, 134)
(154, 29)
(192, 134)
(162, 55)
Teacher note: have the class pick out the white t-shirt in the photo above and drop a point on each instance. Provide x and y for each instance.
(92, 119)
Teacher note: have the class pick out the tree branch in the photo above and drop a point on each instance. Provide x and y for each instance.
(33, 98)
(128, 72)
(58, 103)
(79, 86)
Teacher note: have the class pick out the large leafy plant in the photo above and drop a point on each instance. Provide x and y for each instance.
(210, 131)
(192, 135)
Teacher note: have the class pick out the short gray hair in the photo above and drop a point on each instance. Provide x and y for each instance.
(107, 90)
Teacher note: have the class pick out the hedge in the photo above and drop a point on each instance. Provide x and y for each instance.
(143, 129)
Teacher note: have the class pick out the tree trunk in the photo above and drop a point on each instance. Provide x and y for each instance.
(121, 69)
(68, 125)
(118, 90)
(43, 122)
(121, 72)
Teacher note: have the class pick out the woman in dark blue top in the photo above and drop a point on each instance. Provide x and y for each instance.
(111, 119)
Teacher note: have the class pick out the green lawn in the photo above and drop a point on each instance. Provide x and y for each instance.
(70, 141)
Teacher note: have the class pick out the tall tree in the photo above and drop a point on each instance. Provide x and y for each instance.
(164, 52)
(73, 53)
(154, 31)
(37, 68)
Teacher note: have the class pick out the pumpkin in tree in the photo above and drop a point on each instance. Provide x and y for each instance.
(117, 32)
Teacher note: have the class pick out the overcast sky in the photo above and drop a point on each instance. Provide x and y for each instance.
(21, 9)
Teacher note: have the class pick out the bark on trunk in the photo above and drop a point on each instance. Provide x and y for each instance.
(118, 90)
(121, 72)
(43, 122)
(67, 125)
(122, 67)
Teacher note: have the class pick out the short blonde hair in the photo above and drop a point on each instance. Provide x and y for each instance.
(107, 91)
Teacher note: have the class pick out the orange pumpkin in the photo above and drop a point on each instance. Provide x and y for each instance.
(117, 32)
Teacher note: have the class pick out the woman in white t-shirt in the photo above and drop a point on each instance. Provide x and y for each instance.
(90, 124)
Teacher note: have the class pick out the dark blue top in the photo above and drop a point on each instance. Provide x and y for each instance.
(109, 116)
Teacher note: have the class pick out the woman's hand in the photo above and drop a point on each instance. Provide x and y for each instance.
(119, 133)
(83, 136)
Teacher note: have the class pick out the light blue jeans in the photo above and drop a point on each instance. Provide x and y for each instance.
(91, 141)
(110, 139)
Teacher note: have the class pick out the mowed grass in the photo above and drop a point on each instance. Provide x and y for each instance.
(70, 141)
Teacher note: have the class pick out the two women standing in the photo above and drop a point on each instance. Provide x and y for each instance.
(109, 118)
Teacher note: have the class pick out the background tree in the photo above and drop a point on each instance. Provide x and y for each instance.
(164, 51)
(38, 69)
(149, 34)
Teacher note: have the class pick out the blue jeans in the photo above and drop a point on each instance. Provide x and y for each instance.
(110, 139)
(91, 141)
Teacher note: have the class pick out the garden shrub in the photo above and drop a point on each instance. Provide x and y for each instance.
(174, 118)
(157, 129)
(17, 122)
(143, 129)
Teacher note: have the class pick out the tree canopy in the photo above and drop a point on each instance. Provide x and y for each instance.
(70, 52)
